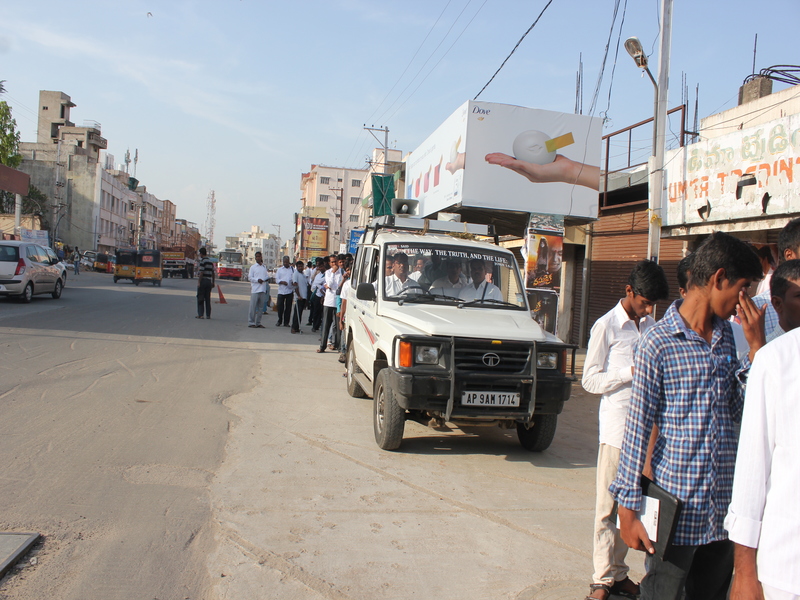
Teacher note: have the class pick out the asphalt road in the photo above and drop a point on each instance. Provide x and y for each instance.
(167, 457)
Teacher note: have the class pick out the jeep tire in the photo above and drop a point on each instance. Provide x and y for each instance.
(389, 418)
(352, 385)
(540, 434)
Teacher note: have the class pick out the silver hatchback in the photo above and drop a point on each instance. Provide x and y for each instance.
(27, 269)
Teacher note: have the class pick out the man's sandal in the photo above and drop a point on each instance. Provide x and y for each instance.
(625, 588)
(599, 586)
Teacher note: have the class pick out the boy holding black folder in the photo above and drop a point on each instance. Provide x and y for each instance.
(687, 382)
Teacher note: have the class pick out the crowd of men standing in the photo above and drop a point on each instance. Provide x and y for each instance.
(709, 418)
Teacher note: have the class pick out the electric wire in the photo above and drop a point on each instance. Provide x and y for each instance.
(514, 49)
(440, 60)
(439, 45)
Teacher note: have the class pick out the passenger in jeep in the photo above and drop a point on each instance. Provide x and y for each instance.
(399, 281)
(479, 288)
(452, 284)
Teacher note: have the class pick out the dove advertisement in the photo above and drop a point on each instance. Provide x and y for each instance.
(499, 156)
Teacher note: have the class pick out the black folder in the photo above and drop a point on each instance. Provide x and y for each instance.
(668, 514)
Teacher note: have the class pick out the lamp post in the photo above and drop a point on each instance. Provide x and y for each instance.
(655, 197)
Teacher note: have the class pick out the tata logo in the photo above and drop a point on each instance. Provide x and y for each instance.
(490, 359)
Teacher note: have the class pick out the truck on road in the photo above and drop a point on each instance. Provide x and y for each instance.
(176, 265)
(452, 342)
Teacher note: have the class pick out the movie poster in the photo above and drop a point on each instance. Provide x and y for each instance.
(544, 255)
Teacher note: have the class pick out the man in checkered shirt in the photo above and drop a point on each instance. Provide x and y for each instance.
(686, 381)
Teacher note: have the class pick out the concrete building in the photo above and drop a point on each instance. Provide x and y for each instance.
(65, 163)
(115, 223)
(339, 192)
(256, 240)
(168, 230)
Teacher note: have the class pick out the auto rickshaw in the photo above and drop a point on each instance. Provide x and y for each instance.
(148, 267)
(126, 265)
(101, 263)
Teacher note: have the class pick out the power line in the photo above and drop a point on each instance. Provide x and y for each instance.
(439, 45)
(440, 59)
(410, 62)
(514, 49)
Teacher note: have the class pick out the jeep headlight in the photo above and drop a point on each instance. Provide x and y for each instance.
(426, 355)
(547, 360)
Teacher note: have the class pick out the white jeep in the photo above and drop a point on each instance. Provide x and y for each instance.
(439, 330)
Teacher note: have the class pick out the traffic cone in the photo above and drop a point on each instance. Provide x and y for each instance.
(221, 297)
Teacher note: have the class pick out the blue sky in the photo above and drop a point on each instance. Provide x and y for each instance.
(242, 96)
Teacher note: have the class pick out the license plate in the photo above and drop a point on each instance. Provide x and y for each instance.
(124, 268)
(489, 399)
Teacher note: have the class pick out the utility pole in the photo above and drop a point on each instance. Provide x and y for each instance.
(339, 191)
(657, 181)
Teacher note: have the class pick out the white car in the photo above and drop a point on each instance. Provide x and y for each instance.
(452, 342)
(27, 269)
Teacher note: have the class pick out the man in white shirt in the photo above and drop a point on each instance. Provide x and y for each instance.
(762, 518)
(283, 277)
(608, 370)
(333, 279)
(399, 281)
(300, 284)
(419, 264)
(788, 249)
(258, 292)
(479, 288)
(452, 283)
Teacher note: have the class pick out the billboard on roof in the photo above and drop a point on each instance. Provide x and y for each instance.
(499, 156)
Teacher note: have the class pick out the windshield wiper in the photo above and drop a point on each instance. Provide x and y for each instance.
(485, 300)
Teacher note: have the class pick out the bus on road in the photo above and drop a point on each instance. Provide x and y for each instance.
(230, 265)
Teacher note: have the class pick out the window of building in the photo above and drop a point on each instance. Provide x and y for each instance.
(323, 197)
(353, 200)
(355, 182)
(325, 180)
(354, 218)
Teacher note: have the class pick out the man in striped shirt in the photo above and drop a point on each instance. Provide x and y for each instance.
(686, 381)
(205, 283)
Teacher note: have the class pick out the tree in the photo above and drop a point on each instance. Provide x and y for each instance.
(9, 138)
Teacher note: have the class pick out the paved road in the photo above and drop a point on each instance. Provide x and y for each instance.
(168, 457)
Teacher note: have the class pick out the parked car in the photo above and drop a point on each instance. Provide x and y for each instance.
(58, 264)
(87, 259)
(26, 269)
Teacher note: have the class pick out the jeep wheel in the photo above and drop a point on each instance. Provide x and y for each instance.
(57, 290)
(352, 385)
(540, 434)
(389, 419)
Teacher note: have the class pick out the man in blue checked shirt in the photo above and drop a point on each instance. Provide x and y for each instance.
(686, 383)
(788, 249)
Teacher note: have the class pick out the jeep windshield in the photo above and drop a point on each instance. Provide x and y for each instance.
(451, 274)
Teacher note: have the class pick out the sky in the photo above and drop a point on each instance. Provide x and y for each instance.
(243, 96)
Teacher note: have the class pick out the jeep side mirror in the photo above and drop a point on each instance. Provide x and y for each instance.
(365, 291)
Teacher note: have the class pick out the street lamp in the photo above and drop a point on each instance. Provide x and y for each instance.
(634, 48)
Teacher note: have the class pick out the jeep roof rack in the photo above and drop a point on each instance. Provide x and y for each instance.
(395, 222)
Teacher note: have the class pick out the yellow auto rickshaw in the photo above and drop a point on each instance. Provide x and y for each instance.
(148, 267)
(100, 262)
(125, 267)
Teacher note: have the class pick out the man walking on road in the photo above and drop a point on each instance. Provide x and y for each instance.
(205, 283)
(283, 277)
(608, 370)
(258, 292)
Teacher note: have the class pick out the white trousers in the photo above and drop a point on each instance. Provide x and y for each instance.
(608, 549)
